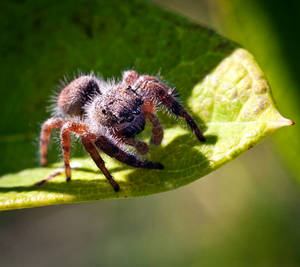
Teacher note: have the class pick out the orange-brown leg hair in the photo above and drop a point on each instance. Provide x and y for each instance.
(48, 125)
(130, 76)
(88, 143)
(68, 127)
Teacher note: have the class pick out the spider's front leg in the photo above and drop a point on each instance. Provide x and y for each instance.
(154, 91)
(116, 152)
(88, 143)
(129, 78)
(141, 147)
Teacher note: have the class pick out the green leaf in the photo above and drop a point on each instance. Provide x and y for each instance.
(273, 18)
(219, 83)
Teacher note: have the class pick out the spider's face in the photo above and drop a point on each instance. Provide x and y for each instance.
(122, 112)
(131, 120)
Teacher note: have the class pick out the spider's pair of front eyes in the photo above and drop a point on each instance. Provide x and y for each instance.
(136, 109)
(124, 116)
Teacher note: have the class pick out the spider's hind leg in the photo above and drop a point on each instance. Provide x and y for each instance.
(67, 126)
(48, 125)
(71, 126)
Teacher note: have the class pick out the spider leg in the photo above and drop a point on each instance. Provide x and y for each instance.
(88, 143)
(50, 177)
(70, 126)
(154, 91)
(48, 125)
(140, 146)
(115, 152)
(157, 130)
(130, 76)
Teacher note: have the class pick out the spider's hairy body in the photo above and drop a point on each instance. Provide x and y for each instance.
(73, 97)
(108, 116)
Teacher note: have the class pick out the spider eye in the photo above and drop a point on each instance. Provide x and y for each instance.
(137, 111)
(139, 102)
(103, 111)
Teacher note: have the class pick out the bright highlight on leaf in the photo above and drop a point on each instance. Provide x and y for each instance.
(231, 100)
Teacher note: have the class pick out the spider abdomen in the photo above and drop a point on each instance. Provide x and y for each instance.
(73, 97)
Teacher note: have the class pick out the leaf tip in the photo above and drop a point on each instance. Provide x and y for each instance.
(286, 122)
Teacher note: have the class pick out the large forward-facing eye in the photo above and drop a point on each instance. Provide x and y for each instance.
(139, 101)
(137, 111)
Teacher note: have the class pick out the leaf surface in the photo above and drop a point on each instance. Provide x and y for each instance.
(220, 84)
(259, 18)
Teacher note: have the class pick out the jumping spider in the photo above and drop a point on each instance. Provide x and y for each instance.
(108, 116)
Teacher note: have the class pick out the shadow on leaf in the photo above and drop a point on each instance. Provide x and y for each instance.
(183, 164)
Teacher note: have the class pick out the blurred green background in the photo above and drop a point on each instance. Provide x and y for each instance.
(245, 214)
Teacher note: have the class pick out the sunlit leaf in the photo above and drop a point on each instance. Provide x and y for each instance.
(259, 18)
(219, 83)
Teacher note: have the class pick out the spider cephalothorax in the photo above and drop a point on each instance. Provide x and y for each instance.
(108, 115)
